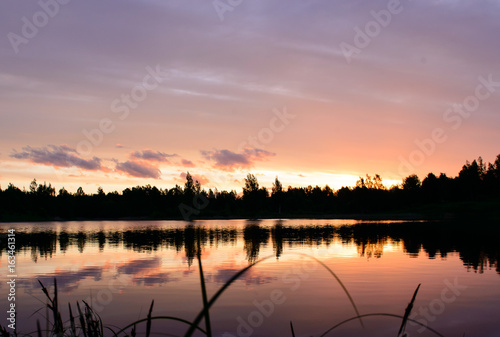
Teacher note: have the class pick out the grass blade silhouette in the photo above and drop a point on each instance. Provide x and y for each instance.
(54, 307)
(38, 329)
(198, 318)
(291, 327)
(82, 320)
(206, 312)
(122, 330)
(340, 283)
(383, 315)
(148, 324)
(72, 321)
(407, 312)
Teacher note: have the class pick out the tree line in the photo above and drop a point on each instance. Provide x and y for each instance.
(476, 183)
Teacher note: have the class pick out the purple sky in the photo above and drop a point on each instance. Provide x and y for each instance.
(123, 93)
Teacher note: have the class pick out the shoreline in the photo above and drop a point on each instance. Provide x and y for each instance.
(455, 211)
(354, 216)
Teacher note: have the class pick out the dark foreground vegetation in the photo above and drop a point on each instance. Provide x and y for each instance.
(85, 322)
(475, 191)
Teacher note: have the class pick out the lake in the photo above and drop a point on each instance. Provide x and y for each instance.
(315, 273)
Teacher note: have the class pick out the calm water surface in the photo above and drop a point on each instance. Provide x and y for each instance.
(120, 266)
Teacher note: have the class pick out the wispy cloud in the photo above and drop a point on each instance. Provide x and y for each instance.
(144, 164)
(229, 161)
(68, 280)
(57, 156)
(146, 272)
(187, 163)
(139, 169)
(251, 278)
(136, 267)
(151, 155)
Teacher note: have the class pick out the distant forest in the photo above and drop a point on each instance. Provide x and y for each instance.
(474, 191)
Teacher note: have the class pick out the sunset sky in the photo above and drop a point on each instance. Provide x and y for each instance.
(121, 93)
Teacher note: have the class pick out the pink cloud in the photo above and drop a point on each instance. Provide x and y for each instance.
(139, 169)
(151, 155)
(58, 156)
(187, 163)
(229, 161)
(144, 164)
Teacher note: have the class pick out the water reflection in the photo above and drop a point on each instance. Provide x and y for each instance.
(67, 281)
(478, 249)
(121, 265)
(255, 236)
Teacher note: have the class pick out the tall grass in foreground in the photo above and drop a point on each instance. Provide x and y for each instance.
(89, 324)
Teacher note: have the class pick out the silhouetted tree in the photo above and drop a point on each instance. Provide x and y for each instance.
(277, 194)
(377, 182)
(251, 185)
(45, 190)
(430, 187)
(100, 192)
(189, 188)
(470, 178)
(80, 192)
(33, 186)
(360, 183)
(63, 193)
(411, 183)
(495, 168)
(253, 196)
(492, 178)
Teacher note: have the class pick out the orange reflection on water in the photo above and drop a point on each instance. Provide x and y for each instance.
(120, 267)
